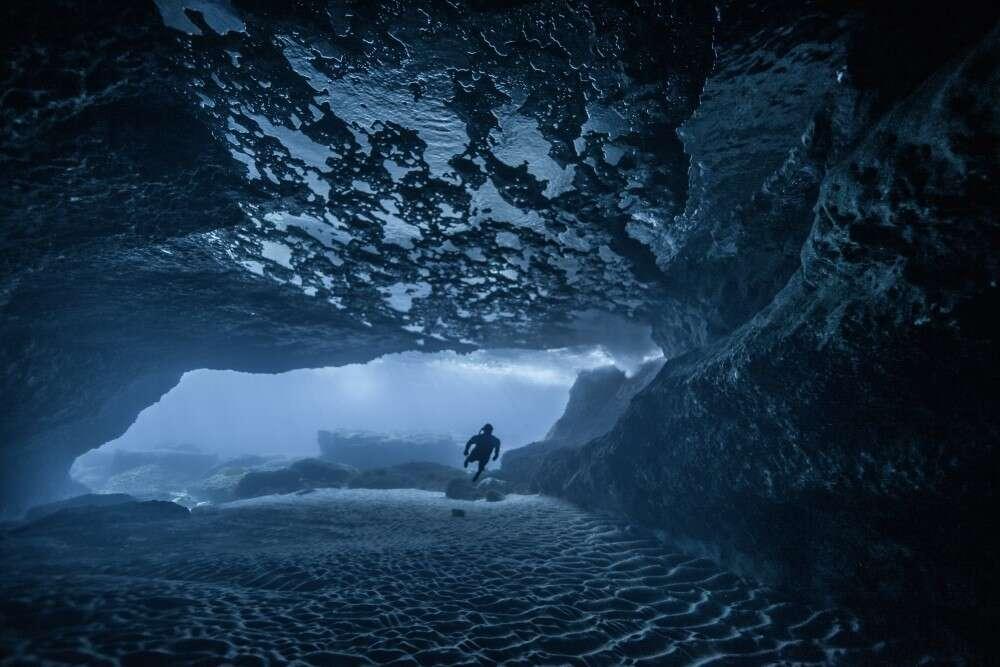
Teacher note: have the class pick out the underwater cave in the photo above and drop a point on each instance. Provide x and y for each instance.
(474, 332)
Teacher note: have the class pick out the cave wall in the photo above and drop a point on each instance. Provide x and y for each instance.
(843, 440)
(597, 400)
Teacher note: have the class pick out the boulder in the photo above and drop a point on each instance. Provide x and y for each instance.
(300, 475)
(86, 500)
(146, 472)
(267, 482)
(183, 462)
(317, 473)
(417, 475)
(462, 489)
(366, 450)
(219, 485)
(149, 481)
(497, 484)
(492, 495)
(596, 401)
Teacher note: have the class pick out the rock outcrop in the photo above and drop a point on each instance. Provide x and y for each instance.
(149, 474)
(413, 475)
(219, 484)
(309, 474)
(267, 482)
(597, 400)
(301, 475)
(85, 500)
(364, 450)
(97, 468)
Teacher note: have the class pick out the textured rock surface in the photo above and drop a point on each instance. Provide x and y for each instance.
(142, 472)
(86, 500)
(300, 475)
(845, 437)
(413, 475)
(93, 519)
(597, 400)
(374, 450)
(267, 482)
(462, 488)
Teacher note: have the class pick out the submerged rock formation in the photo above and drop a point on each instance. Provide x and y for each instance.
(798, 198)
(597, 400)
(218, 485)
(412, 475)
(308, 474)
(300, 475)
(375, 450)
(85, 500)
(462, 488)
(98, 521)
(149, 473)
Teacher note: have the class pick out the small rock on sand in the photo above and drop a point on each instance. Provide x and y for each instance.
(461, 489)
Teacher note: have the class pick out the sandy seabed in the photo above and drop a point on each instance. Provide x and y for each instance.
(340, 577)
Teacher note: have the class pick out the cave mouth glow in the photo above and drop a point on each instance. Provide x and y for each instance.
(222, 415)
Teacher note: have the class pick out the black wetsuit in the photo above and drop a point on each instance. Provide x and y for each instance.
(483, 446)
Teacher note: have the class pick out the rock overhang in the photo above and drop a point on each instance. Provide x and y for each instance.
(458, 175)
(242, 185)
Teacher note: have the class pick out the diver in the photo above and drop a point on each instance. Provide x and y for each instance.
(483, 444)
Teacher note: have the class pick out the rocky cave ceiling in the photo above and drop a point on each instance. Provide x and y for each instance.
(267, 186)
(471, 177)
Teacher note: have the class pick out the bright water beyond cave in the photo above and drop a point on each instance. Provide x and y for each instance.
(226, 414)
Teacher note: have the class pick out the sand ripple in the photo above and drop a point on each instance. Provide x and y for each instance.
(361, 577)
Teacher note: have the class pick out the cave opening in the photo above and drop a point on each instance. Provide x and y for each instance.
(195, 443)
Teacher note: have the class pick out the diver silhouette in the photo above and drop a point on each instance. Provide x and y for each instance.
(483, 444)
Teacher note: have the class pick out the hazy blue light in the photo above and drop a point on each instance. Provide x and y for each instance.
(521, 392)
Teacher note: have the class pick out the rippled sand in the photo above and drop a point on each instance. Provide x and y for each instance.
(355, 577)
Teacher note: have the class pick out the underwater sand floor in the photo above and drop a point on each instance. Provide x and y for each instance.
(362, 576)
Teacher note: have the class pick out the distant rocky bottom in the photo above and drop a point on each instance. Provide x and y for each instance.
(193, 479)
